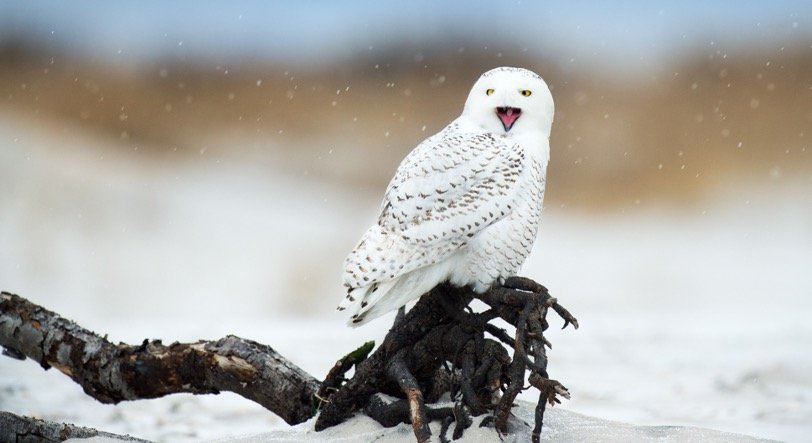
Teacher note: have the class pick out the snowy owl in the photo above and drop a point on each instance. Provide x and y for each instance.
(464, 205)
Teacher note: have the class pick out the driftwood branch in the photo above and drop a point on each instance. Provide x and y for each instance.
(112, 373)
(440, 349)
(14, 428)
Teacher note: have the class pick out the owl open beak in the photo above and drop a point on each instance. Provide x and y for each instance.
(508, 116)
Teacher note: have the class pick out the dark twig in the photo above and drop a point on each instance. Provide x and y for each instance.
(390, 413)
(563, 313)
(444, 429)
(463, 418)
(399, 372)
(501, 334)
(335, 377)
(469, 396)
(539, 418)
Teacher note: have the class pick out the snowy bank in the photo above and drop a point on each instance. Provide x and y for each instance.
(559, 425)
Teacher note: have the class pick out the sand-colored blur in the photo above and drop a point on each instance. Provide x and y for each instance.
(706, 120)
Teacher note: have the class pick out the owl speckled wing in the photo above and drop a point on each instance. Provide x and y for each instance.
(451, 188)
(444, 192)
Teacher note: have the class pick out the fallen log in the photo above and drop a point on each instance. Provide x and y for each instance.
(112, 373)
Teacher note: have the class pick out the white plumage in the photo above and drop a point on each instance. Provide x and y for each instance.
(464, 205)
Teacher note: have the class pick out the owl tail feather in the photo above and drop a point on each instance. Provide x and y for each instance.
(373, 301)
(362, 302)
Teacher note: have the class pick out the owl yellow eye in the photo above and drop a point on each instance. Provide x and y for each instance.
(526, 92)
(488, 91)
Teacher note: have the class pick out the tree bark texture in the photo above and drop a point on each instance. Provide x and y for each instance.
(112, 373)
(17, 429)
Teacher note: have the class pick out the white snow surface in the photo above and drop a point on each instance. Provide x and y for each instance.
(560, 426)
(692, 316)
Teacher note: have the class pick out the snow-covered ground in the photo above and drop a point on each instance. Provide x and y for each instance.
(689, 316)
(559, 426)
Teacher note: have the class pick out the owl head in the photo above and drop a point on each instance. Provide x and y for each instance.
(510, 101)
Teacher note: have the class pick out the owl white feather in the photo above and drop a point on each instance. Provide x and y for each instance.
(464, 205)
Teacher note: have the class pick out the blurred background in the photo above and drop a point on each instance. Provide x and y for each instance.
(191, 170)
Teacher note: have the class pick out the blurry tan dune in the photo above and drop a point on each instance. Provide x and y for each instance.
(665, 137)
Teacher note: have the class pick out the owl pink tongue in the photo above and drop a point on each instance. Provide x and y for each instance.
(508, 116)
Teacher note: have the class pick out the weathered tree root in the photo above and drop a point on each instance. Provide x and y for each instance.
(112, 373)
(398, 372)
(413, 361)
(370, 375)
(529, 346)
